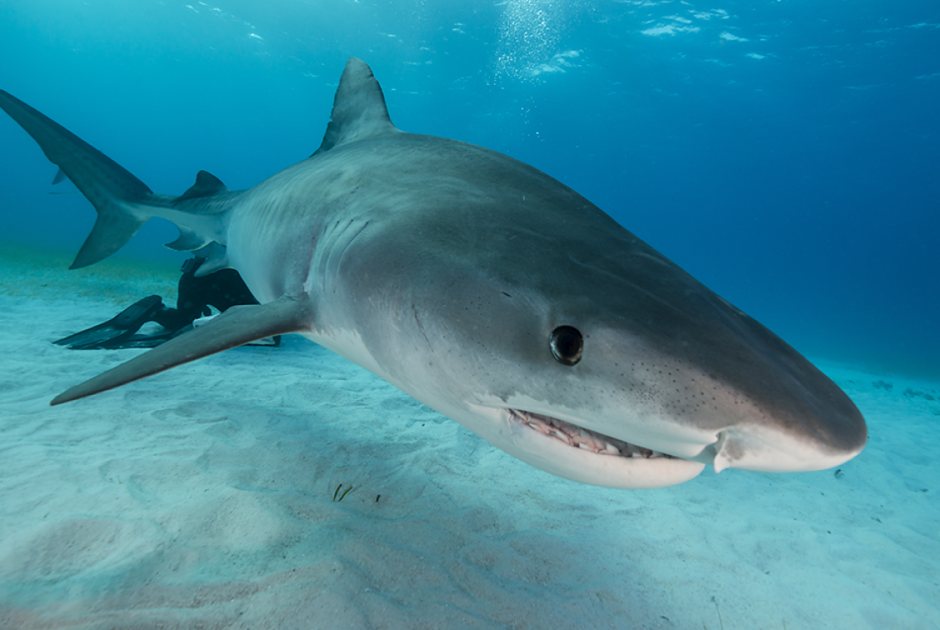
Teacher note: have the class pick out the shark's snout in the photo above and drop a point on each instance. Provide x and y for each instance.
(768, 407)
(793, 423)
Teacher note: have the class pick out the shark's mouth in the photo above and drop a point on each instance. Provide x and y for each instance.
(581, 438)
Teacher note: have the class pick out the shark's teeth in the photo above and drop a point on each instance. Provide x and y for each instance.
(582, 438)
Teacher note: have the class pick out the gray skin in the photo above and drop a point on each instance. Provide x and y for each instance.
(444, 267)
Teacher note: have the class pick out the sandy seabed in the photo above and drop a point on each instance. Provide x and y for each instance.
(204, 497)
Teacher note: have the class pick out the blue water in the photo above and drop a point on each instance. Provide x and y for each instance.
(785, 153)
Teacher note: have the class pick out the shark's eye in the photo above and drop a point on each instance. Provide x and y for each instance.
(567, 344)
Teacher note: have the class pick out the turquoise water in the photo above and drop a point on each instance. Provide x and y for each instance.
(786, 154)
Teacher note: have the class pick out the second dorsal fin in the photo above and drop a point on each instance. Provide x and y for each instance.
(206, 185)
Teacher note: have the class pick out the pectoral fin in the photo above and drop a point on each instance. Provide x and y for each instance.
(235, 327)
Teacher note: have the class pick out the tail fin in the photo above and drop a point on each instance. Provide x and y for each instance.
(113, 191)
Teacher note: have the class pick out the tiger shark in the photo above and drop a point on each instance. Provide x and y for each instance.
(485, 289)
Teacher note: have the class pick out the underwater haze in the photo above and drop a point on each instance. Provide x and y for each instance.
(785, 153)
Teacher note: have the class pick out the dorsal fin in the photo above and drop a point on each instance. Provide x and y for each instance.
(206, 185)
(359, 109)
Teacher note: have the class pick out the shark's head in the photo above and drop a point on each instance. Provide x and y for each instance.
(574, 346)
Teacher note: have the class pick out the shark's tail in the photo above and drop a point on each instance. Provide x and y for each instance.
(124, 203)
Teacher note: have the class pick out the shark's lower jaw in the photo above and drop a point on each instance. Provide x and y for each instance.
(581, 438)
(573, 452)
